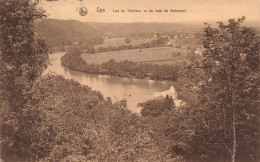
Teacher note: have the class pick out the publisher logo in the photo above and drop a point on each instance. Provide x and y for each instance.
(83, 11)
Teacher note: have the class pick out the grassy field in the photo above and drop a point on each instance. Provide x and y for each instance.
(161, 55)
(116, 42)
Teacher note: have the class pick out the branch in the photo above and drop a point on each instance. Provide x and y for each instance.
(206, 126)
(224, 145)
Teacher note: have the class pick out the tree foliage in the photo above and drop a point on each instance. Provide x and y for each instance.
(227, 114)
(127, 40)
(84, 126)
(219, 121)
(23, 59)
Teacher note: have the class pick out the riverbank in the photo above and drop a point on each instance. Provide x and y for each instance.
(73, 60)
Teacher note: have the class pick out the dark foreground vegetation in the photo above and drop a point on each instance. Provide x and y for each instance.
(48, 118)
(73, 60)
(78, 124)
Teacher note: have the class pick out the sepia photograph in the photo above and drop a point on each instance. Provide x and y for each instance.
(129, 80)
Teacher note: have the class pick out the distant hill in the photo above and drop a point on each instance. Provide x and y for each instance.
(65, 32)
(117, 29)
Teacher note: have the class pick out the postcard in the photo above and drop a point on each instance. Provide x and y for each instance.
(129, 80)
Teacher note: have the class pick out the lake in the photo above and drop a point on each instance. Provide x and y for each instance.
(118, 88)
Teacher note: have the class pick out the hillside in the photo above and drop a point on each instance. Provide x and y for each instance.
(62, 33)
(65, 32)
(122, 29)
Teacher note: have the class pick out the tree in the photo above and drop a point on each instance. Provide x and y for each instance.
(228, 100)
(100, 49)
(127, 40)
(23, 58)
(168, 103)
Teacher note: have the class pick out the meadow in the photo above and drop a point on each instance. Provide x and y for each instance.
(116, 42)
(165, 55)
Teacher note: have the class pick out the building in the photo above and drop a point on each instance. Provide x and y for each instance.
(157, 35)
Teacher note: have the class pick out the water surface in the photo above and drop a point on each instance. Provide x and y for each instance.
(118, 88)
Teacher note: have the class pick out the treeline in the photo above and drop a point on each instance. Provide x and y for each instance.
(126, 68)
(160, 42)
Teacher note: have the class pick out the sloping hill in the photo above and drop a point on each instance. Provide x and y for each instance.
(64, 32)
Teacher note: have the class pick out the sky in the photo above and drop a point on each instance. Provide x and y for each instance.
(196, 10)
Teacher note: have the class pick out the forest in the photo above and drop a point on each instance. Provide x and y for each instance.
(61, 33)
(50, 118)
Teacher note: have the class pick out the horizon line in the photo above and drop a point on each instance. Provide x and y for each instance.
(254, 22)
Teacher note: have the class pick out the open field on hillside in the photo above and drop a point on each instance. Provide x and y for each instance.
(168, 55)
(116, 42)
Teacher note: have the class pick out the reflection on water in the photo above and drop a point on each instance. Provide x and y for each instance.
(134, 90)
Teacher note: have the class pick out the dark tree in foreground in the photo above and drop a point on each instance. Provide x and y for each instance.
(23, 58)
(227, 114)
